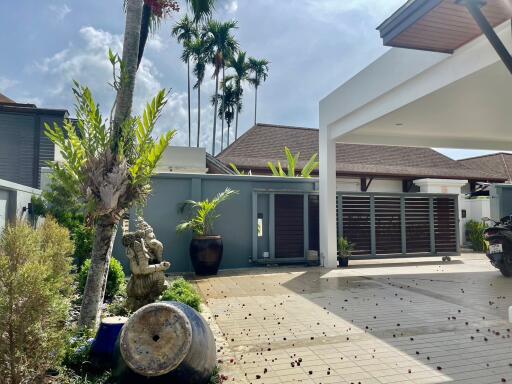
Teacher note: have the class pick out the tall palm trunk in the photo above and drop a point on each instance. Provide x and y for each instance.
(255, 102)
(215, 112)
(188, 88)
(105, 234)
(223, 106)
(236, 124)
(198, 112)
(106, 225)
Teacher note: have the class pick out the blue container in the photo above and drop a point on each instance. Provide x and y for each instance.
(102, 348)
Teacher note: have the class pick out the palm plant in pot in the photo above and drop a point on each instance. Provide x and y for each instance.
(345, 249)
(205, 247)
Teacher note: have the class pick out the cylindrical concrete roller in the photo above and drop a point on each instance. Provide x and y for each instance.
(166, 342)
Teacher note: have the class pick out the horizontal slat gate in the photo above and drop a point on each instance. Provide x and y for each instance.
(356, 222)
(403, 224)
(444, 225)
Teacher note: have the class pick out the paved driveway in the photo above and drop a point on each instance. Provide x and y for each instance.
(397, 321)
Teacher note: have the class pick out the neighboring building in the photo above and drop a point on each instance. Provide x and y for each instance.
(498, 163)
(370, 168)
(24, 148)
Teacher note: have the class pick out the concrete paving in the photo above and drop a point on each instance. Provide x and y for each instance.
(390, 321)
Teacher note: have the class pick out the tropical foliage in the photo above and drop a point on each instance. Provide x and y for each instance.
(475, 232)
(345, 247)
(240, 67)
(204, 213)
(292, 160)
(115, 279)
(35, 287)
(237, 171)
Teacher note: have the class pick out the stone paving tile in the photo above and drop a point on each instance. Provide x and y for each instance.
(404, 321)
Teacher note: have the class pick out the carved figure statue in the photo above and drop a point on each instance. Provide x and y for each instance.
(145, 253)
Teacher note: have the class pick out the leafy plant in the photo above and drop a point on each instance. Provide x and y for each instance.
(292, 160)
(35, 267)
(115, 279)
(237, 171)
(259, 70)
(205, 213)
(345, 247)
(184, 292)
(78, 347)
(475, 230)
(68, 376)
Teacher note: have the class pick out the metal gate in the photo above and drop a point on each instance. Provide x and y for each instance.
(381, 225)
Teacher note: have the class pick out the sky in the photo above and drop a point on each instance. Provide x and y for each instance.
(313, 46)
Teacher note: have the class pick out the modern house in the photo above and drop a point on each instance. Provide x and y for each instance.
(24, 148)
(446, 82)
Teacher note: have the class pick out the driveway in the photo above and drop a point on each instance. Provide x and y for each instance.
(394, 321)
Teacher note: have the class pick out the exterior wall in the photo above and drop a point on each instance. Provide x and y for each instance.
(235, 224)
(13, 198)
(377, 185)
(24, 148)
(476, 209)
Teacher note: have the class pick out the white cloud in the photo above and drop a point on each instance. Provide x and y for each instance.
(6, 83)
(60, 11)
(86, 61)
(231, 6)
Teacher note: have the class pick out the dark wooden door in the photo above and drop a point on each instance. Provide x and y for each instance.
(289, 226)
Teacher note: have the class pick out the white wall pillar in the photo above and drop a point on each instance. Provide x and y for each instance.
(327, 159)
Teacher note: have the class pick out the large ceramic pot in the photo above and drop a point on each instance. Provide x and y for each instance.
(165, 343)
(206, 254)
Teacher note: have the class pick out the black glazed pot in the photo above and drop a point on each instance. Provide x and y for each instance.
(206, 254)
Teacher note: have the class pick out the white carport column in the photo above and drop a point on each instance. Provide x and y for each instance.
(327, 159)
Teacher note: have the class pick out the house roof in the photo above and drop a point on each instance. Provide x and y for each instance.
(265, 142)
(439, 25)
(5, 99)
(499, 163)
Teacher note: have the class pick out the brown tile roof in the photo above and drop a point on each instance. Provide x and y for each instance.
(5, 99)
(497, 163)
(265, 142)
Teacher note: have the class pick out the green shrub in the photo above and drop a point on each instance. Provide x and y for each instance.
(78, 347)
(184, 292)
(345, 247)
(115, 279)
(35, 267)
(68, 376)
(475, 231)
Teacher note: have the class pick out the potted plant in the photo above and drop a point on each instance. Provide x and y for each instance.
(345, 249)
(205, 247)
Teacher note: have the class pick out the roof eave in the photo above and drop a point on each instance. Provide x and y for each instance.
(405, 17)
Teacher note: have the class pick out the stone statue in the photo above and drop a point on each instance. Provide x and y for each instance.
(145, 253)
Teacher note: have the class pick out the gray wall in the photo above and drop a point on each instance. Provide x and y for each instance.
(235, 223)
(13, 198)
(24, 148)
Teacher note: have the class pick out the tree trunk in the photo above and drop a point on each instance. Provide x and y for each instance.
(105, 233)
(224, 109)
(124, 96)
(236, 124)
(106, 226)
(198, 112)
(189, 122)
(144, 31)
(215, 112)
(255, 103)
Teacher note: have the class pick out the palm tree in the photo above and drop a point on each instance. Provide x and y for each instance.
(196, 50)
(221, 45)
(184, 31)
(241, 67)
(110, 167)
(259, 70)
(201, 9)
(228, 105)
